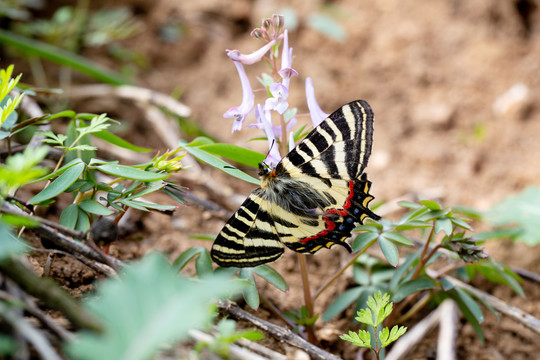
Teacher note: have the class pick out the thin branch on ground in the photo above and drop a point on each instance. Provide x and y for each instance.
(512, 312)
(64, 242)
(276, 331)
(29, 333)
(274, 310)
(235, 352)
(448, 330)
(413, 336)
(133, 93)
(46, 290)
(526, 274)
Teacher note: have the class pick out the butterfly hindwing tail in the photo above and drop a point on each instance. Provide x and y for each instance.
(339, 222)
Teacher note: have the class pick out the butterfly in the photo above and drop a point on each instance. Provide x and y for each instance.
(312, 199)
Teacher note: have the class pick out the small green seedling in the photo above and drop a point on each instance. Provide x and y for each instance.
(379, 307)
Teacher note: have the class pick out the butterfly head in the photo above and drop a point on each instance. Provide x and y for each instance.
(267, 174)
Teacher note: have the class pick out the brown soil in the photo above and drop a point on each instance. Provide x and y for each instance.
(431, 70)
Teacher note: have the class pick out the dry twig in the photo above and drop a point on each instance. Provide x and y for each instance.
(278, 332)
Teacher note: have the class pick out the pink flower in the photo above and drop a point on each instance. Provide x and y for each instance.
(263, 117)
(252, 58)
(315, 111)
(278, 101)
(239, 113)
(286, 71)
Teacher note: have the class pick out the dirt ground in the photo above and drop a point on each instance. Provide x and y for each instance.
(432, 70)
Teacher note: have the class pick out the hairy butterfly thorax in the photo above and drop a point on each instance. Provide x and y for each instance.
(313, 198)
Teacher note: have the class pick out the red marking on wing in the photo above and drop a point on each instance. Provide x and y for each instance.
(329, 224)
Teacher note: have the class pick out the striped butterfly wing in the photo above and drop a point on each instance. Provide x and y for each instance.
(338, 148)
(249, 238)
(329, 162)
(312, 200)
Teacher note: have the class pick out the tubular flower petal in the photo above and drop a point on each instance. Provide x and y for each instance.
(286, 71)
(291, 141)
(315, 111)
(264, 117)
(252, 58)
(278, 101)
(239, 113)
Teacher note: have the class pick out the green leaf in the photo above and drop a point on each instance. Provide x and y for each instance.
(411, 287)
(364, 240)
(9, 245)
(389, 250)
(147, 206)
(362, 338)
(446, 284)
(399, 274)
(414, 224)
(251, 295)
(145, 309)
(431, 205)
(83, 221)
(203, 265)
(341, 302)
(217, 163)
(19, 220)
(522, 209)
(61, 57)
(97, 124)
(209, 237)
(185, 257)
(128, 172)
(118, 141)
(69, 216)
(272, 276)
(471, 304)
(235, 153)
(396, 237)
(60, 184)
(462, 224)
(148, 189)
(387, 337)
(443, 224)
(94, 207)
(57, 172)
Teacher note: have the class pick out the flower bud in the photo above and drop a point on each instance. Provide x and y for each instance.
(278, 21)
(257, 34)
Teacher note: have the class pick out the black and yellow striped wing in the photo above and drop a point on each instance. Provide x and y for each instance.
(312, 199)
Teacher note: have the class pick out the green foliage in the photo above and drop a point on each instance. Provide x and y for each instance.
(194, 148)
(70, 29)
(371, 275)
(441, 229)
(226, 336)
(61, 57)
(20, 169)
(203, 267)
(522, 209)
(379, 308)
(9, 244)
(141, 314)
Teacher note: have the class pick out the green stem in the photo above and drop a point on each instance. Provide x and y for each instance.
(312, 338)
(423, 259)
